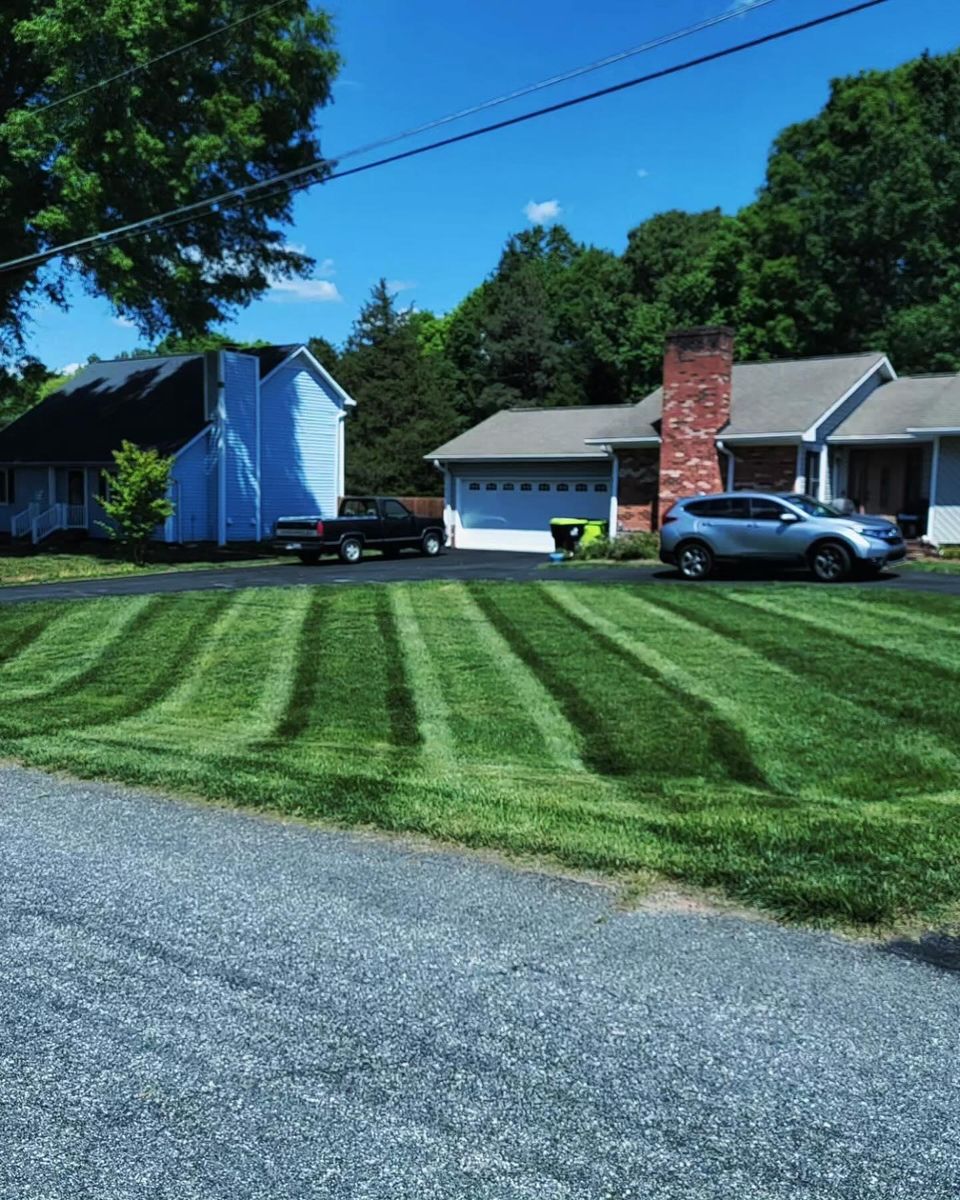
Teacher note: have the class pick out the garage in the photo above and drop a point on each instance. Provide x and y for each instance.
(513, 512)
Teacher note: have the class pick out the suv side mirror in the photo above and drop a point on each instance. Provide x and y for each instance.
(788, 518)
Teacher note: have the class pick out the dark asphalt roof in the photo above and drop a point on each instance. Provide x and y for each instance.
(154, 402)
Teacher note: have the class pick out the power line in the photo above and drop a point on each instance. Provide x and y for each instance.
(189, 212)
(40, 108)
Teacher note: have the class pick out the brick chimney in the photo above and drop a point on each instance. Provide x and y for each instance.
(697, 376)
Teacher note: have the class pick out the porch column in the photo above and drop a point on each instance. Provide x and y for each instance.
(51, 486)
(614, 493)
(934, 473)
(823, 491)
(800, 471)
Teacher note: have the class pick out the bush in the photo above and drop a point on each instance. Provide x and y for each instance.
(629, 547)
(950, 552)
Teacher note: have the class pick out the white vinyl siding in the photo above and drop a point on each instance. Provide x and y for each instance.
(300, 446)
(945, 517)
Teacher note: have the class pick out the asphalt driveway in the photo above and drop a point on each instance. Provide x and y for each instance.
(453, 564)
(199, 1003)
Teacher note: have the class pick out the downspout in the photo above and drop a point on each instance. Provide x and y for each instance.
(341, 456)
(731, 461)
(448, 514)
(613, 520)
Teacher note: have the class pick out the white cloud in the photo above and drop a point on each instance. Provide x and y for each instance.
(124, 322)
(400, 285)
(69, 369)
(305, 291)
(642, 173)
(542, 212)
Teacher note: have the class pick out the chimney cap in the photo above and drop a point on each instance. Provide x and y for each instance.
(700, 331)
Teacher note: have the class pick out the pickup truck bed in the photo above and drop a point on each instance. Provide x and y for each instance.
(363, 523)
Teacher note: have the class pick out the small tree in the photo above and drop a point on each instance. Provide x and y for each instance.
(138, 500)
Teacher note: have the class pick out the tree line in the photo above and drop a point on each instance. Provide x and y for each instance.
(852, 244)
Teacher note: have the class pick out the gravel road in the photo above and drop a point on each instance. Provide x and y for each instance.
(201, 1004)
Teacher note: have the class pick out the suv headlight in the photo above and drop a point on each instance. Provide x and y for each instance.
(871, 531)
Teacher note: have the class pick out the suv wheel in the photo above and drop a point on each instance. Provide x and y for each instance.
(431, 544)
(694, 560)
(830, 562)
(351, 550)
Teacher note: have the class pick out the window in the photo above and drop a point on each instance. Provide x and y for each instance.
(395, 510)
(766, 510)
(563, 487)
(6, 487)
(581, 487)
(543, 487)
(358, 506)
(730, 508)
(526, 487)
(474, 487)
(599, 487)
(491, 487)
(105, 491)
(508, 487)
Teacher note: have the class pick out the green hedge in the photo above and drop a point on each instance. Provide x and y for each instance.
(621, 549)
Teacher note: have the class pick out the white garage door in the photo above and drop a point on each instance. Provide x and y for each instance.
(515, 513)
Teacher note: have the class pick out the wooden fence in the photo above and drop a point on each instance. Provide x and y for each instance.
(424, 506)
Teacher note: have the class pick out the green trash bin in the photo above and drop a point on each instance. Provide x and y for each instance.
(571, 532)
(593, 531)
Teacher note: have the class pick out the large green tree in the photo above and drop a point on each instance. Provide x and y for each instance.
(233, 110)
(405, 400)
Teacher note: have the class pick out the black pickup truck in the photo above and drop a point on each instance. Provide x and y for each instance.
(363, 523)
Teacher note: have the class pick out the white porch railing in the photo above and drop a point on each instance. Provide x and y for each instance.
(21, 523)
(41, 523)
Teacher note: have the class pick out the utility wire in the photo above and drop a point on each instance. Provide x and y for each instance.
(39, 108)
(189, 212)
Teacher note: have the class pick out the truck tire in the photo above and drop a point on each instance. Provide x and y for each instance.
(431, 544)
(351, 550)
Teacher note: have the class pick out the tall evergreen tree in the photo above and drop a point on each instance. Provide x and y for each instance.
(405, 401)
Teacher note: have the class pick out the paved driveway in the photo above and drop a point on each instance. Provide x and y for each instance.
(198, 1004)
(454, 564)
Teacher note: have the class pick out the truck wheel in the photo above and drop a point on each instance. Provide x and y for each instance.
(830, 562)
(309, 558)
(351, 550)
(431, 544)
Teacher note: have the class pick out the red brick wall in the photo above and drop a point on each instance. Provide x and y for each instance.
(697, 374)
(765, 468)
(637, 492)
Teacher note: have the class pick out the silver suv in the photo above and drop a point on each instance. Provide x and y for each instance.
(762, 526)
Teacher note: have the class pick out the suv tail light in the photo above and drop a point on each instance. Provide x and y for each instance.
(319, 529)
(668, 516)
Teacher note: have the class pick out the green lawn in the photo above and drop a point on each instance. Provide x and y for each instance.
(51, 568)
(797, 748)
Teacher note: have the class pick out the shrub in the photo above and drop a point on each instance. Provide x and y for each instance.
(630, 546)
(950, 552)
(138, 500)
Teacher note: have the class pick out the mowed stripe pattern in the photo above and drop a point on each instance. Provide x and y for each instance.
(790, 746)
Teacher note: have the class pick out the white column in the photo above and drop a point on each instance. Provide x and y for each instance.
(931, 529)
(800, 471)
(824, 468)
(614, 495)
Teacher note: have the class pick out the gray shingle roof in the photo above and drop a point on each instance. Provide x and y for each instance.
(768, 398)
(534, 433)
(918, 402)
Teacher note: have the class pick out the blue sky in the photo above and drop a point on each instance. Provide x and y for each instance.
(434, 226)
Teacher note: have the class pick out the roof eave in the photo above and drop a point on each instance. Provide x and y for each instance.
(437, 457)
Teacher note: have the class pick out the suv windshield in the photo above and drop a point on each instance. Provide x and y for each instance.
(813, 508)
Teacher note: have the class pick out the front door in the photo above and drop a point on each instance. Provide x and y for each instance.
(76, 488)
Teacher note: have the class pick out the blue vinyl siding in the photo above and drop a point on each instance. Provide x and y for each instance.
(299, 416)
(241, 386)
(194, 492)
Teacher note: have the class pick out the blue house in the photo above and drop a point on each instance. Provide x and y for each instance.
(254, 435)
